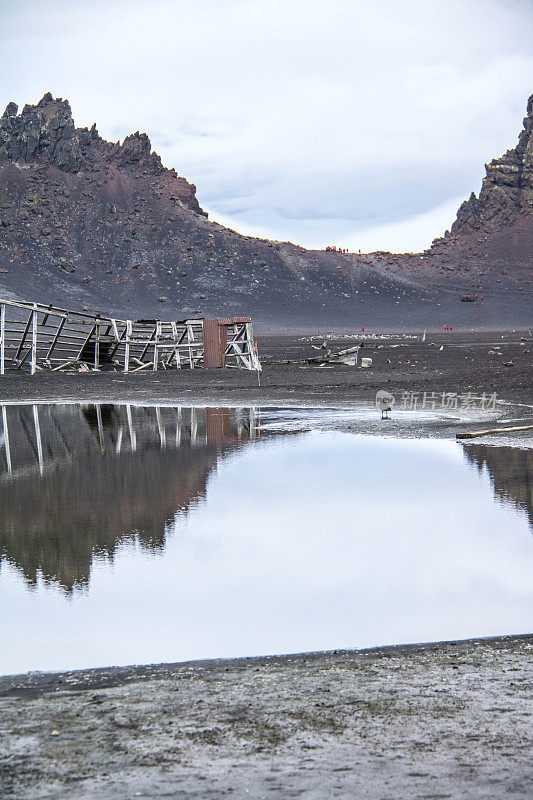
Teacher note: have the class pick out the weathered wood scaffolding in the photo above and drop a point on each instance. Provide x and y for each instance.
(35, 337)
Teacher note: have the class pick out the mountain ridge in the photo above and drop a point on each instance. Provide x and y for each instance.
(106, 225)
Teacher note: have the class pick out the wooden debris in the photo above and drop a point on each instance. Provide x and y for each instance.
(474, 434)
(348, 356)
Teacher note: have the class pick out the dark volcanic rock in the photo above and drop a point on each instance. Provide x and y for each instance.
(43, 133)
(507, 191)
(490, 244)
(105, 226)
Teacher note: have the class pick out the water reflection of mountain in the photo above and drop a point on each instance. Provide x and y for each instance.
(77, 481)
(510, 470)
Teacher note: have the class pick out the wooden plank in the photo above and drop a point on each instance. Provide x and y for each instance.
(490, 431)
(97, 347)
(26, 329)
(127, 348)
(156, 342)
(34, 340)
(2, 338)
(56, 337)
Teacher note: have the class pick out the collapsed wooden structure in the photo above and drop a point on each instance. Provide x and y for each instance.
(35, 337)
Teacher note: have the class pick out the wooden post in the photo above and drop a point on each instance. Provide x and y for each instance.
(34, 341)
(156, 341)
(2, 338)
(97, 346)
(190, 338)
(127, 348)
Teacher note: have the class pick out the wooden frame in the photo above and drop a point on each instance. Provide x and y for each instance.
(45, 337)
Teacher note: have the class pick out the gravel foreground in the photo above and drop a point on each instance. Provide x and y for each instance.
(445, 720)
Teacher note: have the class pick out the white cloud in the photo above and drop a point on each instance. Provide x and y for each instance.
(310, 121)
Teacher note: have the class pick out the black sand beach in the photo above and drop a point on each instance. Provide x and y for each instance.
(446, 362)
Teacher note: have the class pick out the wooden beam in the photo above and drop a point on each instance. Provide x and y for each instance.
(2, 337)
(26, 329)
(56, 337)
(34, 340)
(474, 434)
(127, 348)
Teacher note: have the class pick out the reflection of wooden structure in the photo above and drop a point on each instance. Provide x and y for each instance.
(36, 337)
(40, 436)
(79, 481)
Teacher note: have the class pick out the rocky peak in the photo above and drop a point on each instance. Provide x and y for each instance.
(137, 149)
(507, 189)
(43, 133)
(11, 111)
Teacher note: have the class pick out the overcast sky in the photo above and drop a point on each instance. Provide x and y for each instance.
(350, 122)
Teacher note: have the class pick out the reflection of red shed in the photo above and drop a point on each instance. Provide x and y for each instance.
(215, 335)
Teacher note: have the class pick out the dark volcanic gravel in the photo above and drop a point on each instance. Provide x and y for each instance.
(467, 362)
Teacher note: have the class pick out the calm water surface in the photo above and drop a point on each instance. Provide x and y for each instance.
(138, 535)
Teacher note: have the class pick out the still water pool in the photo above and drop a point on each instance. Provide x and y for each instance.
(136, 535)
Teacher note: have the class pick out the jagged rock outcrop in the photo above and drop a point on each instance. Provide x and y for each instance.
(490, 244)
(507, 190)
(45, 135)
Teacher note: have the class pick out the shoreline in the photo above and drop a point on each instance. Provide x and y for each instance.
(406, 368)
(36, 682)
